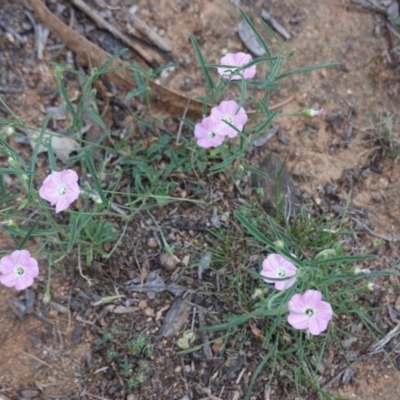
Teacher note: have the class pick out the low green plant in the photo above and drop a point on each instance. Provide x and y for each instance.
(386, 133)
(137, 354)
(124, 176)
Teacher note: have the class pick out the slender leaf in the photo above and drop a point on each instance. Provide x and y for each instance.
(96, 182)
(305, 69)
(72, 232)
(273, 73)
(29, 233)
(271, 32)
(343, 260)
(226, 162)
(202, 63)
(252, 229)
(35, 153)
(259, 37)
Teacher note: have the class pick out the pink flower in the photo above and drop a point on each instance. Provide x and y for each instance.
(276, 266)
(18, 269)
(210, 132)
(308, 311)
(60, 189)
(230, 111)
(235, 62)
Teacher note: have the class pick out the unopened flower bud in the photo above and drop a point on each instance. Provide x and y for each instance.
(13, 163)
(325, 254)
(279, 244)
(358, 270)
(9, 131)
(257, 293)
(25, 177)
(47, 297)
(372, 286)
(9, 223)
(310, 112)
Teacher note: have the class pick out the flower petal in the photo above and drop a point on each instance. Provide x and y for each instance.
(23, 282)
(298, 321)
(9, 280)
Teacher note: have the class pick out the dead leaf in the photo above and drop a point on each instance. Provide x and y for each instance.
(257, 332)
(176, 317)
(149, 312)
(217, 346)
(62, 146)
(155, 284)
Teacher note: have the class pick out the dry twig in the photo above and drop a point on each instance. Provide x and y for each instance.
(102, 23)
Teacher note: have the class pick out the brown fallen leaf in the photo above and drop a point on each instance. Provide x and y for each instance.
(217, 346)
(176, 317)
(87, 51)
(257, 332)
(62, 146)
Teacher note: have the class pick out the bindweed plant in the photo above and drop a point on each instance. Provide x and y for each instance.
(227, 118)
(84, 202)
(294, 296)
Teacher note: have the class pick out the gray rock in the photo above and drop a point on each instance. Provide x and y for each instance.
(274, 171)
(249, 39)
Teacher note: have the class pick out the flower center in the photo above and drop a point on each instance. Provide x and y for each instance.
(228, 119)
(62, 190)
(282, 273)
(212, 134)
(19, 270)
(309, 312)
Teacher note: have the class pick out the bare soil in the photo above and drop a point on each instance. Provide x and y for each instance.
(57, 352)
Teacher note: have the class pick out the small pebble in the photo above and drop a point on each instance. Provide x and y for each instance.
(168, 262)
(142, 304)
(152, 243)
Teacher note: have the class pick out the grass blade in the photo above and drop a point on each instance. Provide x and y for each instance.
(259, 37)
(305, 69)
(202, 63)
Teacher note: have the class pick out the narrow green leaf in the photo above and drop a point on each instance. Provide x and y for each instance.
(259, 37)
(257, 172)
(65, 97)
(96, 118)
(274, 228)
(72, 232)
(50, 153)
(271, 32)
(8, 109)
(273, 73)
(102, 68)
(13, 153)
(343, 260)
(69, 69)
(35, 153)
(202, 63)
(29, 233)
(253, 230)
(96, 182)
(305, 69)
(259, 368)
(243, 92)
(226, 162)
